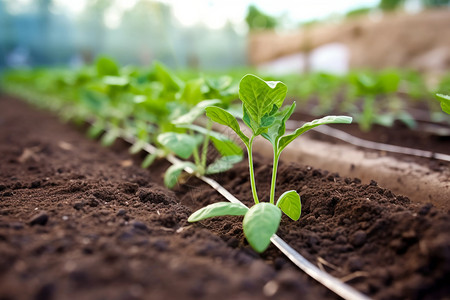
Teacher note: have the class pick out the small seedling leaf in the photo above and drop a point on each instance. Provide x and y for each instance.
(223, 117)
(195, 112)
(137, 146)
(149, 159)
(95, 130)
(277, 130)
(289, 203)
(445, 102)
(285, 140)
(179, 143)
(173, 173)
(218, 209)
(109, 137)
(260, 223)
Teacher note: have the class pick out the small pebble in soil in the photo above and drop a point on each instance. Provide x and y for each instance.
(270, 288)
(39, 219)
(160, 245)
(358, 238)
(78, 205)
(139, 225)
(121, 212)
(35, 184)
(425, 209)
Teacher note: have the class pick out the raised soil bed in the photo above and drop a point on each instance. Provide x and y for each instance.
(79, 221)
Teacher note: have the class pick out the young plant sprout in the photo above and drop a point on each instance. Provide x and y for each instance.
(262, 113)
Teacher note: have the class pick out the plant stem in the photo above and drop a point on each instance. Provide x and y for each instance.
(205, 144)
(276, 157)
(195, 152)
(252, 173)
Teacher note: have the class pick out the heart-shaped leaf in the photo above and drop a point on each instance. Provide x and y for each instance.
(289, 203)
(173, 173)
(179, 143)
(259, 96)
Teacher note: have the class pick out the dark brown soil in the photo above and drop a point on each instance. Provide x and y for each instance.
(78, 221)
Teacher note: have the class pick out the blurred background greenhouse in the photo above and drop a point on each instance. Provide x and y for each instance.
(276, 36)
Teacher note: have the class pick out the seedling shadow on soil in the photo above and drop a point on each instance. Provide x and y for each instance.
(105, 227)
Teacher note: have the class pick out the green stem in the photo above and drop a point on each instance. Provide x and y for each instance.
(252, 173)
(205, 144)
(195, 152)
(276, 156)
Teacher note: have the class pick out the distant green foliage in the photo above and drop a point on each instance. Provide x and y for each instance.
(152, 104)
(388, 5)
(258, 20)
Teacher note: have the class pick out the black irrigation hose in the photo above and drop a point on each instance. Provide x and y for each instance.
(348, 138)
(337, 286)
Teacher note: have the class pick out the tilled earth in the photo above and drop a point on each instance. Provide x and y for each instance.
(79, 221)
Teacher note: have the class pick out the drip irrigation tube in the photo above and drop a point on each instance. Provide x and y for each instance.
(332, 283)
(348, 138)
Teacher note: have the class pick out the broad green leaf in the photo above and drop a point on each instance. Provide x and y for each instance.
(223, 164)
(260, 223)
(195, 112)
(173, 173)
(445, 102)
(289, 203)
(106, 66)
(218, 209)
(179, 143)
(277, 130)
(285, 140)
(227, 147)
(149, 159)
(223, 117)
(259, 96)
(95, 130)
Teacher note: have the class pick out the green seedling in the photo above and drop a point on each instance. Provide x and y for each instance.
(187, 144)
(262, 113)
